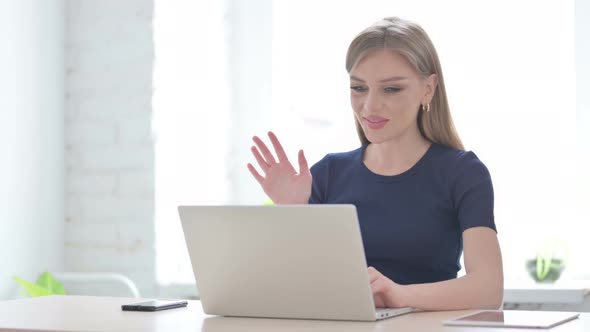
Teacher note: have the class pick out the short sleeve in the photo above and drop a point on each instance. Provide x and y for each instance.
(473, 193)
(319, 187)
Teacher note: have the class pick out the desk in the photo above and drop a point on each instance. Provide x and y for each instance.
(86, 313)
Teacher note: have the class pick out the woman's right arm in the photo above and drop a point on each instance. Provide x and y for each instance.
(281, 182)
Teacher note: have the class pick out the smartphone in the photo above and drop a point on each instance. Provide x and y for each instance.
(154, 305)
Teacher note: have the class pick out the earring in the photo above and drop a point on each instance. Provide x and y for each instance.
(426, 108)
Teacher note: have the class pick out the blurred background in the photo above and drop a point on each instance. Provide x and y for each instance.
(114, 112)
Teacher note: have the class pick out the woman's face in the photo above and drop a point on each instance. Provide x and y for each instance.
(386, 93)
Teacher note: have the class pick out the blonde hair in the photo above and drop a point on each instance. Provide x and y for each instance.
(411, 41)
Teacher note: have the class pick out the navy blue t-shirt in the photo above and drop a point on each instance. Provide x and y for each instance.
(411, 223)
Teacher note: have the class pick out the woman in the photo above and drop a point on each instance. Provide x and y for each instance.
(421, 199)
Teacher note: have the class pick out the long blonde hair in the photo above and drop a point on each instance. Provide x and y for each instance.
(410, 40)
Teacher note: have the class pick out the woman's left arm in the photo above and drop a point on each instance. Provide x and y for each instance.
(480, 288)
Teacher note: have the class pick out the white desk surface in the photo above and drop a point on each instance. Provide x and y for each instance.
(89, 313)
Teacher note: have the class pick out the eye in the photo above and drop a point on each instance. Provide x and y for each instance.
(358, 88)
(392, 89)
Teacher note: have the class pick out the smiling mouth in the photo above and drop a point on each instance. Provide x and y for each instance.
(375, 122)
(375, 119)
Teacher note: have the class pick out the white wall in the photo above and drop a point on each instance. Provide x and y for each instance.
(582, 8)
(31, 140)
(109, 149)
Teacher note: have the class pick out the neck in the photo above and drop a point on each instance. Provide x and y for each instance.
(395, 156)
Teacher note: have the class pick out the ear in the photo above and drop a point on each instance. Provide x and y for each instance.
(430, 87)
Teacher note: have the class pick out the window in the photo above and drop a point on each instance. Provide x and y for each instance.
(191, 116)
(510, 78)
(512, 99)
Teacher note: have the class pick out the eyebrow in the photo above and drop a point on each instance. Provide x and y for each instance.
(390, 79)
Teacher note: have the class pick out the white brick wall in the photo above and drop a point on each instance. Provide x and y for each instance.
(109, 148)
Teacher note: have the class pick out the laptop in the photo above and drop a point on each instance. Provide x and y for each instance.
(282, 261)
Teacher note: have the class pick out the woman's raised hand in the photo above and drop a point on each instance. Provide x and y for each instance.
(280, 181)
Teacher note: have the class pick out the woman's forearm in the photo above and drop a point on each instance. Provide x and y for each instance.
(477, 290)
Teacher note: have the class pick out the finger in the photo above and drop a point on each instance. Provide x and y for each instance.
(378, 298)
(373, 274)
(261, 162)
(378, 301)
(270, 159)
(378, 286)
(382, 289)
(278, 147)
(255, 173)
(303, 167)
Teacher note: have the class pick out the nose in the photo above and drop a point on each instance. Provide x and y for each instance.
(373, 102)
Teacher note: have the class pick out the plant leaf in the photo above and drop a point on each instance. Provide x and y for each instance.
(540, 268)
(47, 281)
(32, 289)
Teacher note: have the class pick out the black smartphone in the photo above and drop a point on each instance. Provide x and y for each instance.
(154, 305)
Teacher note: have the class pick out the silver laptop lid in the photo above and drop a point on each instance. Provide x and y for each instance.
(289, 261)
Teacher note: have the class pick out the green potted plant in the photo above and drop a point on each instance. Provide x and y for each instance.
(549, 262)
(46, 285)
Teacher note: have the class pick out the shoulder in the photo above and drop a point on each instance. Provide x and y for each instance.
(458, 163)
(470, 187)
(464, 174)
(339, 159)
(331, 170)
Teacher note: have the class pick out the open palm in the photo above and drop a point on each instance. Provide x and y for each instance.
(281, 182)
